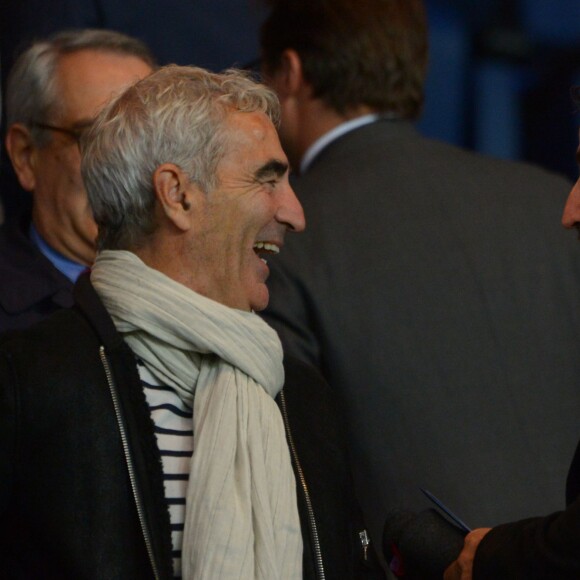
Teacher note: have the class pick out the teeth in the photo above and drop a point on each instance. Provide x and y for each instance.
(273, 248)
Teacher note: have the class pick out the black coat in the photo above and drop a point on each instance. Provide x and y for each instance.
(31, 288)
(67, 501)
(536, 548)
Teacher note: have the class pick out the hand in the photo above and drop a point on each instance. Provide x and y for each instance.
(462, 568)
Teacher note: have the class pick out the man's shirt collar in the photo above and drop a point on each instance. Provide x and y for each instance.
(334, 134)
(72, 270)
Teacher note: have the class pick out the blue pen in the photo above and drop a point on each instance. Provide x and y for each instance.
(460, 523)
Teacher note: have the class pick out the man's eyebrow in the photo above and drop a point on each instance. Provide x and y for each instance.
(82, 124)
(272, 167)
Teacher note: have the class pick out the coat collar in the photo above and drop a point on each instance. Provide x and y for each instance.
(88, 302)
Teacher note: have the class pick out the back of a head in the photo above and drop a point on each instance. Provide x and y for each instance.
(353, 53)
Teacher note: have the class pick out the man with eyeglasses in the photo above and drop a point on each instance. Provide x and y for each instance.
(54, 91)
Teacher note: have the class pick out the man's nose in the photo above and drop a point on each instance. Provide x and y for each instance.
(291, 212)
(571, 214)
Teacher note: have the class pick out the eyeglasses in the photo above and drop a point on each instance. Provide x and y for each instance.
(74, 132)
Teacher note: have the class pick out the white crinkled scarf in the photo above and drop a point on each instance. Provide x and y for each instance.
(242, 517)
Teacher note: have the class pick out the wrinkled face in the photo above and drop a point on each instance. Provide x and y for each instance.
(85, 82)
(571, 216)
(245, 217)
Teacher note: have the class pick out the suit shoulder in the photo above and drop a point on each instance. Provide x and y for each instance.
(473, 160)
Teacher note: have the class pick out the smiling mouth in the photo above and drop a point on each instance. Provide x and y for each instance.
(266, 248)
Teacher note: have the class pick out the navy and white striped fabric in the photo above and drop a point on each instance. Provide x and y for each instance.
(174, 431)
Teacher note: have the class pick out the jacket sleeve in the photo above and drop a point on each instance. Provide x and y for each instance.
(314, 421)
(547, 547)
(8, 449)
(7, 431)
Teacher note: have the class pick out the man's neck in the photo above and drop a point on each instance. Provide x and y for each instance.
(317, 119)
(323, 142)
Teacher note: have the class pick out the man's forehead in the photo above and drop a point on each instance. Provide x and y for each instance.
(253, 151)
(252, 130)
(249, 121)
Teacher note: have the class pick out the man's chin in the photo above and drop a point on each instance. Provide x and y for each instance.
(260, 299)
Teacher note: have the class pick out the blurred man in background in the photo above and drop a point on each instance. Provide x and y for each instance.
(433, 287)
(54, 92)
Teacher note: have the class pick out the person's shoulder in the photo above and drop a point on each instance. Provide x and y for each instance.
(13, 243)
(59, 331)
(383, 152)
(51, 356)
(354, 151)
(490, 166)
(30, 286)
(21, 262)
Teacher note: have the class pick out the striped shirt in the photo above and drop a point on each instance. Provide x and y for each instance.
(173, 421)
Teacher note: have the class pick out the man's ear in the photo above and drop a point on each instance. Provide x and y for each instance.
(288, 80)
(174, 193)
(22, 153)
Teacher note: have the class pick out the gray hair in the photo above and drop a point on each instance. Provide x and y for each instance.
(176, 115)
(31, 89)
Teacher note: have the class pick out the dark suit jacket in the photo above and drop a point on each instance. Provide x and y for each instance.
(31, 288)
(440, 296)
(536, 548)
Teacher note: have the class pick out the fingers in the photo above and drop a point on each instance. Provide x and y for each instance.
(453, 572)
(462, 568)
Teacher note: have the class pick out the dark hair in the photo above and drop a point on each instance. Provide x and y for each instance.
(353, 52)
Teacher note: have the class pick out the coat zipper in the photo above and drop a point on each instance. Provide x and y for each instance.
(311, 519)
(129, 460)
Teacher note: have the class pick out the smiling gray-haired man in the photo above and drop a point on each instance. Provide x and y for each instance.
(139, 431)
